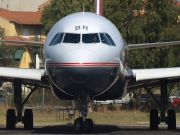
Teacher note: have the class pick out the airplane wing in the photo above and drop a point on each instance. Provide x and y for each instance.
(152, 76)
(139, 76)
(28, 76)
(149, 45)
(22, 73)
(149, 77)
(156, 73)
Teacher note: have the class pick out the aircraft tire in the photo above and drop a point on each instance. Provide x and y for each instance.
(78, 125)
(10, 119)
(171, 119)
(88, 126)
(28, 119)
(154, 120)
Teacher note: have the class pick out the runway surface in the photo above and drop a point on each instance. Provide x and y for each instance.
(98, 129)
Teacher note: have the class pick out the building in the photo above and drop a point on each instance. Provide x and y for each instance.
(41, 7)
(21, 5)
(24, 57)
(22, 24)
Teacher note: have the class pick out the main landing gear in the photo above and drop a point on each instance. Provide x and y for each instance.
(13, 116)
(170, 119)
(82, 124)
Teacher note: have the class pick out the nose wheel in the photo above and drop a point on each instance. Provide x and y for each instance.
(83, 126)
(78, 125)
(88, 126)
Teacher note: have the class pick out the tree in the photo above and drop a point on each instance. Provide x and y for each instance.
(6, 52)
(125, 14)
(1, 32)
(61, 8)
(138, 21)
(160, 25)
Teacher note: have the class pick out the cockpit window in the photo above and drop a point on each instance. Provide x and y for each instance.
(110, 39)
(71, 38)
(90, 38)
(106, 39)
(56, 39)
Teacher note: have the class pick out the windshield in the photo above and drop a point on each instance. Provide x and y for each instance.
(56, 39)
(86, 38)
(106, 39)
(71, 38)
(90, 38)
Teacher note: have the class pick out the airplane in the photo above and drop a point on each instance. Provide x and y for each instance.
(85, 60)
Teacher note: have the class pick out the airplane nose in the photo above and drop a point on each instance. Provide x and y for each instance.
(78, 62)
(79, 74)
(80, 55)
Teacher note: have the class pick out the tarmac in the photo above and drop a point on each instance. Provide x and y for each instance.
(98, 129)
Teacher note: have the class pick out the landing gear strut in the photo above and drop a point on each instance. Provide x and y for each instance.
(170, 119)
(11, 117)
(82, 124)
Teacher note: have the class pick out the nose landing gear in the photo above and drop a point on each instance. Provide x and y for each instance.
(82, 124)
(88, 126)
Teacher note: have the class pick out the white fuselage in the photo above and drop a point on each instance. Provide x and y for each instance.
(84, 54)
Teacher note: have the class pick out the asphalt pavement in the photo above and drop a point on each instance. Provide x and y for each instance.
(98, 129)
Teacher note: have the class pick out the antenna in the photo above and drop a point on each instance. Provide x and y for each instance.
(83, 8)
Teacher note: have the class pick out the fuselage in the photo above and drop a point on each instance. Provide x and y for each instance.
(85, 55)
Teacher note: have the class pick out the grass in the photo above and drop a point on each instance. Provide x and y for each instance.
(108, 117)
(51, 117)
(119, 117)
(3, 108)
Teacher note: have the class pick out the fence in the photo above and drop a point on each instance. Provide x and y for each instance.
(71, 113)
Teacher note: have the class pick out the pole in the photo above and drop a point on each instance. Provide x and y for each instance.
(43, 99)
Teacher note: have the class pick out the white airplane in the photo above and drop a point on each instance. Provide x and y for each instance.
(84, 61)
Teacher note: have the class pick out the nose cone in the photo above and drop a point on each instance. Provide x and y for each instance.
(81, 56)
(79, 74)
(77, 63)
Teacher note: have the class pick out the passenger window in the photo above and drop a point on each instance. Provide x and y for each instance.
(71, 38)
(56, 39)
(90, 38)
